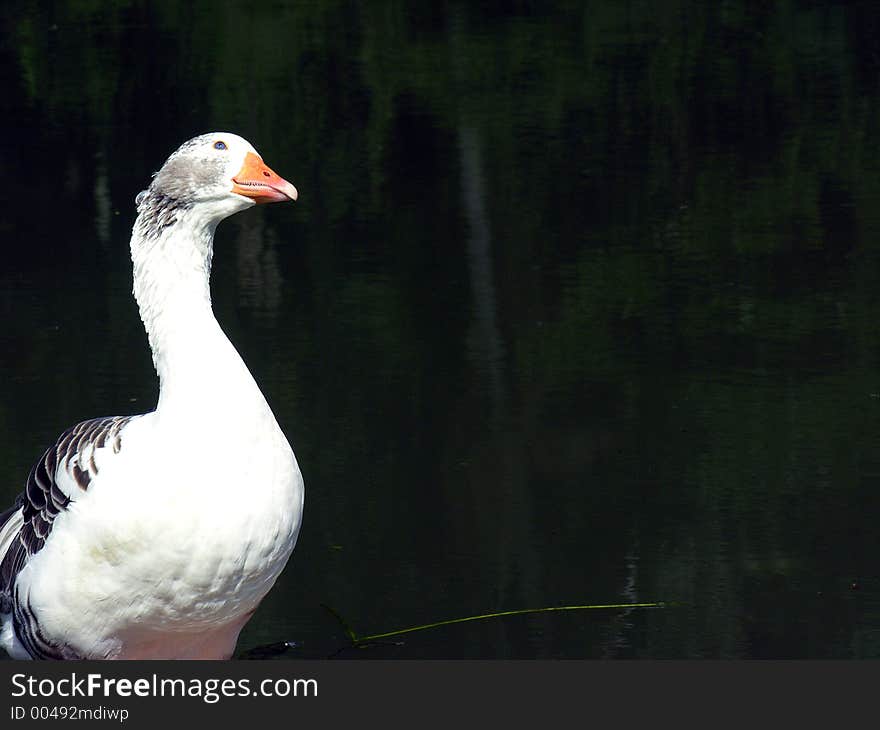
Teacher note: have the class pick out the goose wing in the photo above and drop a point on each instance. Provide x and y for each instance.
(66, 467)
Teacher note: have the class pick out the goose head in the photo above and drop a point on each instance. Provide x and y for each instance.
(219, 174)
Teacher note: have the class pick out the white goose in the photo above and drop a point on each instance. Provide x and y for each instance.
(156, 536)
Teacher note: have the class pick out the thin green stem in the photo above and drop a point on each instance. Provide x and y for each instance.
(373, 637)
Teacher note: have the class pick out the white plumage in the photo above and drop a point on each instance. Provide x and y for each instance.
(157, 536)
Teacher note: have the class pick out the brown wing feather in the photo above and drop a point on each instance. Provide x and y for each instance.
(43, 500)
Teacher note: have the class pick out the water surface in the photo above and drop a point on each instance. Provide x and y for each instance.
(578, 303)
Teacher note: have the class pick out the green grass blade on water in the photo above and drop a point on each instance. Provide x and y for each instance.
(359, 640)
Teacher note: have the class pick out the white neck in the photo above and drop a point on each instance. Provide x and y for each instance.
(199, 370)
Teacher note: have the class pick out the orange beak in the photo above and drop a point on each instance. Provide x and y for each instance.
(260, 183)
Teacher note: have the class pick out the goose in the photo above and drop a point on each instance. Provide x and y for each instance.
(156, 536)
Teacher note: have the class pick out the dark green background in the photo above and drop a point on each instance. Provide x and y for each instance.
(579, 303)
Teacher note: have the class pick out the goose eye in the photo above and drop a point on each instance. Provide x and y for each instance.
(219, 145)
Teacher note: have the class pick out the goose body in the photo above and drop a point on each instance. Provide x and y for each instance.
(157, 535)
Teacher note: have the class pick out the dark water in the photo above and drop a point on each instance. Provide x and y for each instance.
(579, 303)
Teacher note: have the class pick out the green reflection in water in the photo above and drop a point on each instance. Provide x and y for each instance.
(577, 305)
